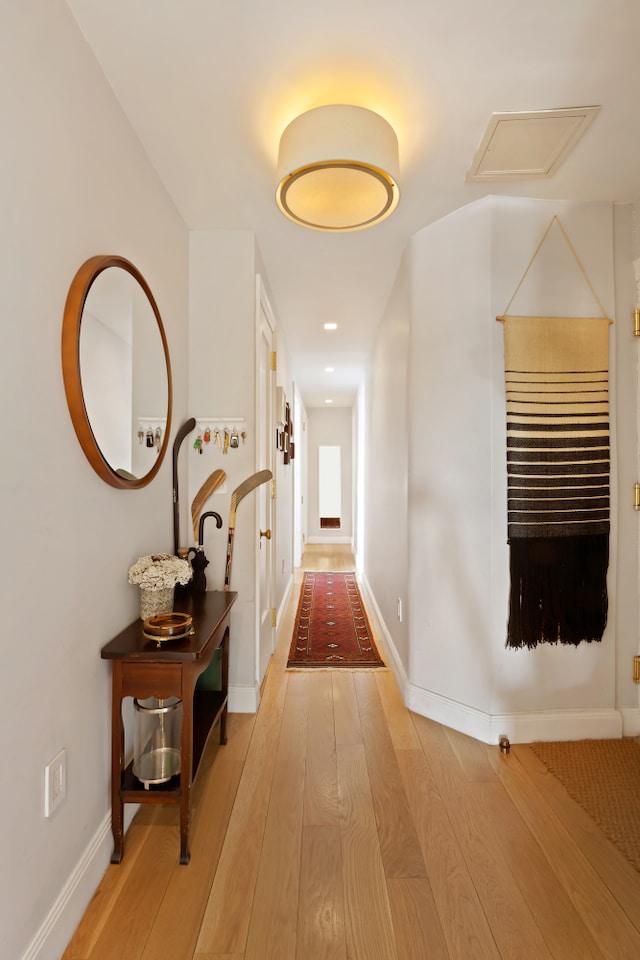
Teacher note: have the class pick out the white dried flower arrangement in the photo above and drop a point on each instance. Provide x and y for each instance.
(158, 571)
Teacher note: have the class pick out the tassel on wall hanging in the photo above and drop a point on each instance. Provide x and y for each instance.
(556, 383)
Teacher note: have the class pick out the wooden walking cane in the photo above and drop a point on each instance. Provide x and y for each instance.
(239, 494)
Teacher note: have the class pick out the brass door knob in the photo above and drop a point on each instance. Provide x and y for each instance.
(266, 533)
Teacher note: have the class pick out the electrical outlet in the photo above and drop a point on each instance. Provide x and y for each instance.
(55, 783)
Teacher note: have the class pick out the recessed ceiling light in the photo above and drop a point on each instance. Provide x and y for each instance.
(329, 369)
(331, 326)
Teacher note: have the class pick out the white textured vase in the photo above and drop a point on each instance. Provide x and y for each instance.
(153, 602)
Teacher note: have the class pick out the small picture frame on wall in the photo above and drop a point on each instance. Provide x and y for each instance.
(287, 432)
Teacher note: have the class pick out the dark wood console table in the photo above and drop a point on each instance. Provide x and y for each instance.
(143, 669)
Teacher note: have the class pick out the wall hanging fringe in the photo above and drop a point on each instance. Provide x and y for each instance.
(556, 382)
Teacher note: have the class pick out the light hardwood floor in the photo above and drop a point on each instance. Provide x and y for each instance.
(336, 825)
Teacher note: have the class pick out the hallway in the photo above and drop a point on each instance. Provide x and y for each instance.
(335, 825)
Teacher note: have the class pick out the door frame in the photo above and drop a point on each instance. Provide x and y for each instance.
(262, 305)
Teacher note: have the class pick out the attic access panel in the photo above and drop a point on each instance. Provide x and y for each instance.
(529, 145)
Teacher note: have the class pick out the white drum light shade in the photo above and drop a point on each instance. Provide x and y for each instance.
(337, 169)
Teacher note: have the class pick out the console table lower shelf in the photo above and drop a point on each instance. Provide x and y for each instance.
(141, 668)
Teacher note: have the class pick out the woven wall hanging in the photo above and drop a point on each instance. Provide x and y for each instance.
(556, 383)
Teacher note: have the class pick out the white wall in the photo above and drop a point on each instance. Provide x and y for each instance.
(626, 245)
(222, 269)
(331, 427)
(299, 478)
(75, 182)
(463, 272)
(550, 677)
(450, 493)
(284, 474)
(386, 459)
(223, 266)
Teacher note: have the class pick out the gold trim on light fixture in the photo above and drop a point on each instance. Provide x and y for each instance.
(337, 175)
(337, 169)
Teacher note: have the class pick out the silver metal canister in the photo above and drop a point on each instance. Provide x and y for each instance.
(156, 739)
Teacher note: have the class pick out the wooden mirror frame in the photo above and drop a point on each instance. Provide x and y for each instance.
(71, 327)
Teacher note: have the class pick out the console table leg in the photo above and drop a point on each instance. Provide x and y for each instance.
(225, 685)
(223, 726)
(185, 822)
(186, 762)
(116, 828)
(117, 756)
(185, 856)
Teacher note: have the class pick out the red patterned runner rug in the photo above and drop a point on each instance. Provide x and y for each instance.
(331, 628)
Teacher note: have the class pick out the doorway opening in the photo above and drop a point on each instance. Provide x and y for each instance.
(330, 487)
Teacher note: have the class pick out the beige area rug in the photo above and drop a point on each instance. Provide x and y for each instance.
(603, 776)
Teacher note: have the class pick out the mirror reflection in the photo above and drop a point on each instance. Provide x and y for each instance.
(121, 367)
(116, 371)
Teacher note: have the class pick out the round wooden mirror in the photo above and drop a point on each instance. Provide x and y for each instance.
(116, 370)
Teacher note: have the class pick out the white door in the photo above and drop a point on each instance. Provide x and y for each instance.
(265, 629)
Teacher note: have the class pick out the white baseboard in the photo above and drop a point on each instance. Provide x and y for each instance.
(246, 698)
(243, 699)
(395, 662)
(557, 725)
(450, 713)
(64, 916)
(630, 721)
(488, 728)
(519, 727)
(285, 599)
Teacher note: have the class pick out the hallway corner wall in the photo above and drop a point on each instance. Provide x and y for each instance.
(385, 485)
(222, 339)
(459, 670)
(450, 509)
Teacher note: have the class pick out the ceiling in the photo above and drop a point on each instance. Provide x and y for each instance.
(209, 85)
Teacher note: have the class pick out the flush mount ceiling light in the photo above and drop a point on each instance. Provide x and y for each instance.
(337, 169)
